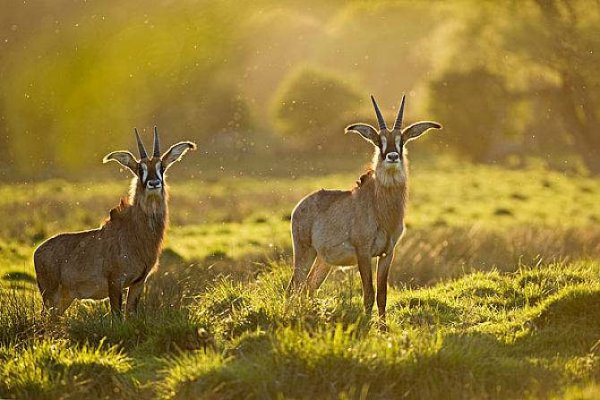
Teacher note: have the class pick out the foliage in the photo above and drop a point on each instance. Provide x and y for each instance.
(561, 36)
(476, 120)
(538, 81)
(310, 106)
(75, 83)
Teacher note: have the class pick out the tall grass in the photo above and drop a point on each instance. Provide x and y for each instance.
(20, 319)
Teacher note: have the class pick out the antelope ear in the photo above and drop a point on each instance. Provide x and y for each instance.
(366, 131)
(124, 158)
(176, 152)
(417, 129)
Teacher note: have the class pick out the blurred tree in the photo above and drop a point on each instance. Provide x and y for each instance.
(213, 112)
(521, 68)
(310, 106)
(77, 76)
(563, 36)
(475, 118)
(78, 87)
(385, 43)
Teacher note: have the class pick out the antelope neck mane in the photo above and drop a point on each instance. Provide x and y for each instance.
(383, 178)
(152, 205)
(142, 211)
(364, 178)
(387, 190)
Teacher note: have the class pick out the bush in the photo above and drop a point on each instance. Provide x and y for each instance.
(216, 111)
(311, 107)
(473, 107)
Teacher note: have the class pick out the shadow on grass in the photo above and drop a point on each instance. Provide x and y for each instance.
(325, 365)
(17, 276)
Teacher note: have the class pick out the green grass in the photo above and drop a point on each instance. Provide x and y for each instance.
(532, 332)
(57, 369)
(495, 294)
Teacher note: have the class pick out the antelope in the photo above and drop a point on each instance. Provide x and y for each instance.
(349, 227)
(100, 263)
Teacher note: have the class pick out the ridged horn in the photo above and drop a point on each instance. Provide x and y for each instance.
(156, 151)
(400, 117)
(380, 119)
(141, 147)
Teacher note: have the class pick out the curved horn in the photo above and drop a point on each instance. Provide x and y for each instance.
(398, 123)
(156, 151)
(141, 147)
(380, 119)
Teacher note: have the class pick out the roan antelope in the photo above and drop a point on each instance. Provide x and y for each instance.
(100, 263)
(335, 227)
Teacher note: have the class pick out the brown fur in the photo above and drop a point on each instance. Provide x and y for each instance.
(333, 227)
(100, 263)
(122, 252)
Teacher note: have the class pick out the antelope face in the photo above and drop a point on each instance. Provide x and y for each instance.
(150, 172)
(390, 143)
(390, 149)
(151, 175)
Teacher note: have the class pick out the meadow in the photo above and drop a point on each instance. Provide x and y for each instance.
(495, 294)
(495, 288)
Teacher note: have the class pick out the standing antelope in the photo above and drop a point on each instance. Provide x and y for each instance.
(121, 253)
(335, 227)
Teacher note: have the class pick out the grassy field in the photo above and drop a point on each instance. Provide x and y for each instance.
(496, 294)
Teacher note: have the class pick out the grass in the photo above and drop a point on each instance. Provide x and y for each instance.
(495, 294)
(55, 369)
(533, 332)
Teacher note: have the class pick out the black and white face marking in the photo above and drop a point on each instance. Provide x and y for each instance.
(143, 173)
(159, 171)
(151, 174)
(391, 147)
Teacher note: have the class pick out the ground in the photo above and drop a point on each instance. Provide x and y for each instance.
(495, 294)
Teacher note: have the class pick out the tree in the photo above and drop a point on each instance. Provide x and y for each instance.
(311, 106)
(474, 118)
(545, 54)
(564, 37)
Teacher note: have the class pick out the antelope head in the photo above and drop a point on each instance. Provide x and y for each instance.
(390, 143)
(150, 171)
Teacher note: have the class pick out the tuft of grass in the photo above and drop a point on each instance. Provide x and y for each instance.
(20, 319)
(152, 331)
(335, 360)
(55, 369)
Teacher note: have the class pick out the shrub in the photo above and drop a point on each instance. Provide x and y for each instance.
(311, 106)
(472, 106)
(218, 109)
